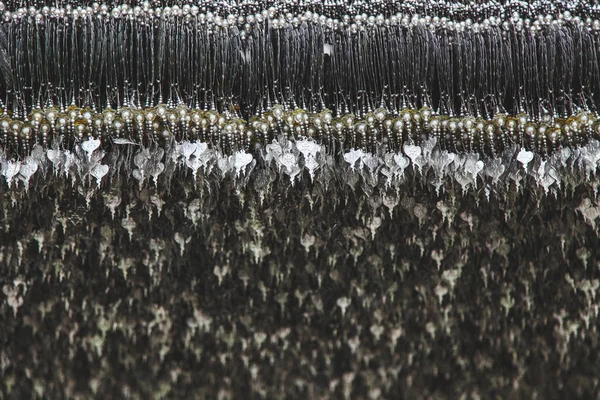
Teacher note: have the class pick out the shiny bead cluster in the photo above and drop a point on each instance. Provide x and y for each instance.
(461, 17)
(230, 133)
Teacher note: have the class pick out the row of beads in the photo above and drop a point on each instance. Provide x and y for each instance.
(230, 133)
(279, 17)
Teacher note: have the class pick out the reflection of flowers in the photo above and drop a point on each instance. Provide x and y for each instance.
(292, 156)
(9, 169)
(199, 321)
(148, 163)
(14, 294)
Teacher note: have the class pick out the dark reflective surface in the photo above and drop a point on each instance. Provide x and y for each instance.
(257, 288)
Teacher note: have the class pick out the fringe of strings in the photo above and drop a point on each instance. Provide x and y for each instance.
(246, 68)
